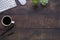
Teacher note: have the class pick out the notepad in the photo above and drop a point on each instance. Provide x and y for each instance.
(7, 4)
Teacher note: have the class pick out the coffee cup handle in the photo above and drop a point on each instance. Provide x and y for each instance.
(12, 22)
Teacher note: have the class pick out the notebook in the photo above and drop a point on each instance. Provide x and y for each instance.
(7, 4)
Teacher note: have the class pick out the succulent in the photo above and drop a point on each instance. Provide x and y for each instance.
(43, 2)
(35, 2)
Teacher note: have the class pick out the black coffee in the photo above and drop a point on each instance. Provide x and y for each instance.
(6, 20)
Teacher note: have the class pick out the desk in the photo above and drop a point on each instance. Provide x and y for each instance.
(42, 23)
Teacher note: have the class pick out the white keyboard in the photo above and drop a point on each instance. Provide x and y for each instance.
(7, 4)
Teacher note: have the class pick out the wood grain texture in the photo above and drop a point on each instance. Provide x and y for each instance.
(41, 23)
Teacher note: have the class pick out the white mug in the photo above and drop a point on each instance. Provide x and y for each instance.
(7, 20)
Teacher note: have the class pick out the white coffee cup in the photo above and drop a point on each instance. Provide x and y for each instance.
(7, 20)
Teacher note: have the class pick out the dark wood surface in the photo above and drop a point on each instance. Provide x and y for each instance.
(41, 23)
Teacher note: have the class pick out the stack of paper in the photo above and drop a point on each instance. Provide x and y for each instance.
(7, 4)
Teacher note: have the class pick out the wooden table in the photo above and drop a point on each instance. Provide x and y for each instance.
(41, 23)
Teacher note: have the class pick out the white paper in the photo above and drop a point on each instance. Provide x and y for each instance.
(7, 4)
